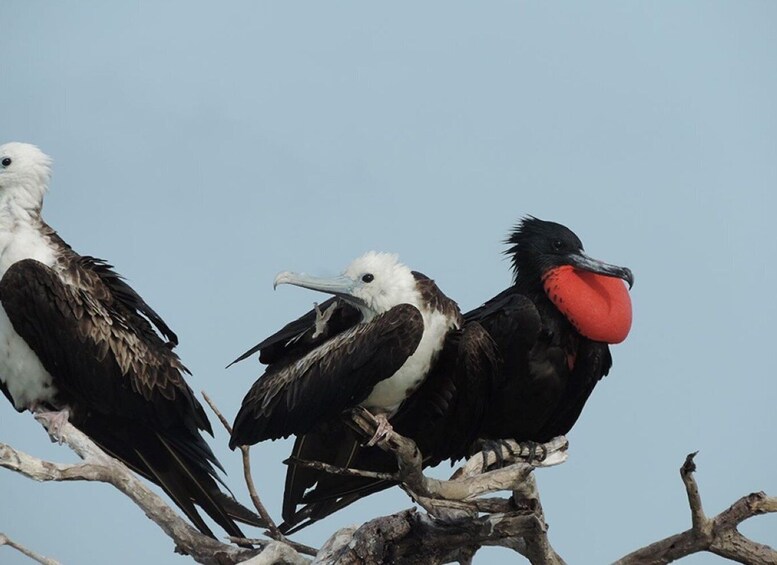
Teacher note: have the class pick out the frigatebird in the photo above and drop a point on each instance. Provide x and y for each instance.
(399, 323)
(78, 343)
(386, 332)
(551, 328)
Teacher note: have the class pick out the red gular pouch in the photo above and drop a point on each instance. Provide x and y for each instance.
(599, 307)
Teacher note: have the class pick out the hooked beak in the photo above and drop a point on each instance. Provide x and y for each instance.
(585, 263)
(339, 286)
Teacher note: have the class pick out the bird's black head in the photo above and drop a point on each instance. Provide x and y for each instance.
(548, 260)
(538, 246)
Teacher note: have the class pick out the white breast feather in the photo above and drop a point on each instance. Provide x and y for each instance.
(20, 369)
(388, 394)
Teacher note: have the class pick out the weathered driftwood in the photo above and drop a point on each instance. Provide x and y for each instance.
(717, 535)
(98, 466)
(460, 519)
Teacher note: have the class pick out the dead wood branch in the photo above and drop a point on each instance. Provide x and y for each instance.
(536, 548)
(459, 520)
(98, 466)
(412, 537)
(5, 540)
(466, 485)
(245, 451)
(718, 535)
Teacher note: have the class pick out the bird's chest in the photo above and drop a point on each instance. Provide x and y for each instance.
(388, 394)
(20, 369)
(555, 352)
(24, 242)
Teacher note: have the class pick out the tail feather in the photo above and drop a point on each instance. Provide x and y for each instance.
(312, 512)
(322, 493)
(174, 460)
(202, 488)
(177, 493)
(237, 511)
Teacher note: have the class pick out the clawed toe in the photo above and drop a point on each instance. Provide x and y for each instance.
(530, 451)
(384, 428)
(494, 446)
(54, 422)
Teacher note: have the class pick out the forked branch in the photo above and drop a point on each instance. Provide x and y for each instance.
(98, 466)
(459, 519)
(717, 535)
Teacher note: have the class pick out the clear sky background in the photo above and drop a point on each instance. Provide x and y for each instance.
(202, 147)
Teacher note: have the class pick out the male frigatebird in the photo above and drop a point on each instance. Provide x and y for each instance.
(552, 328)
(386, 331)
(78, 343)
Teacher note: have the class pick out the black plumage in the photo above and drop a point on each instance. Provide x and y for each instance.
(549, 369)
(80, 343)
(332, 377)
(541, 370)
(121, 382)
(443, 417)
(328, 360)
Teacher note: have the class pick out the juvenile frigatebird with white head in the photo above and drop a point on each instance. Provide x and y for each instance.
(385, 330)
(371, 346)
(78, 343)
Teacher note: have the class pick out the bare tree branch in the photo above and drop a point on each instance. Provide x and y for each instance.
(454, 529)
(699, 520)
(466, 485)
(718, 535)
(98, 466)
(273, 530)
(277, 553)
(512, 452)
(5, 540)
(536, 548)
(342, 471)
(459, 521)
(416, 538)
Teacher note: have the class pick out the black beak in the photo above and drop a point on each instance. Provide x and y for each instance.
(585, 263)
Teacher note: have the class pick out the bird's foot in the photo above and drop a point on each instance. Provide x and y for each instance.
(384, 428)
(529, 451)
(494, 446)
(532, 447)
(53, 421)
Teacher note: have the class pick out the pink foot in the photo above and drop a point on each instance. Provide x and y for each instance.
(384, 428)
(53, 422)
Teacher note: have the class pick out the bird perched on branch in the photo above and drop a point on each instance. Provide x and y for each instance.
(387, 331)
(550, 330)
(78, 343)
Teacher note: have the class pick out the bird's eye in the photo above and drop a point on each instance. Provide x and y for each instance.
(557, 244)
(369, 277)
(7, 161)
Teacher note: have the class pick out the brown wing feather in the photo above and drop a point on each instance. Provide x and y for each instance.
(338, 375)
(299, 337)
(99, 351)
(123, 383)
(444, 417)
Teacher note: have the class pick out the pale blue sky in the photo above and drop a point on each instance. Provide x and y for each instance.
(202, 147)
